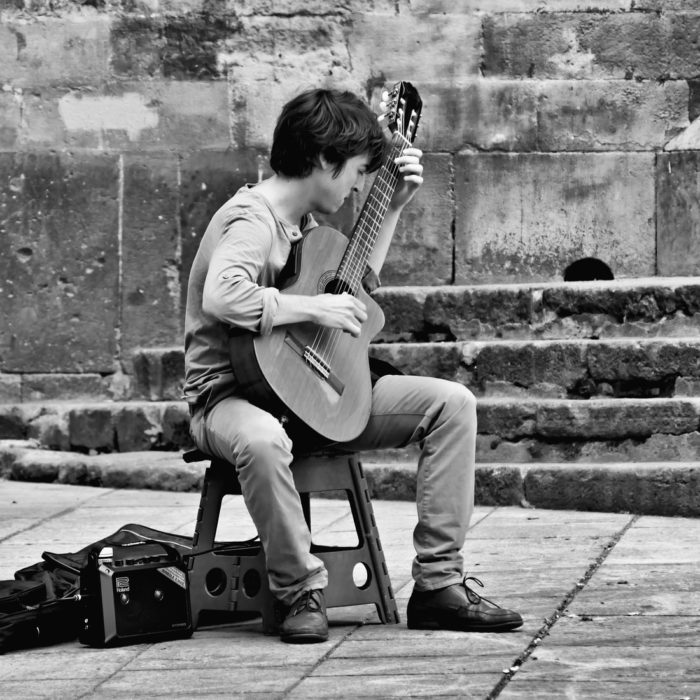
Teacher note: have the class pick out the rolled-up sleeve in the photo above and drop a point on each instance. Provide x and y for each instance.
(232, 292)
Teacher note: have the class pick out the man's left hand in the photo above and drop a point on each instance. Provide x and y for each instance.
(410, 177)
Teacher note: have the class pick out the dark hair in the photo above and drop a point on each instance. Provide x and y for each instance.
(337, 125)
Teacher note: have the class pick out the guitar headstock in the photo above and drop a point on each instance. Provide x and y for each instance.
(403, 108)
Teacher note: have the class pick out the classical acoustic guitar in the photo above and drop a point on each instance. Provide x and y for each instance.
(306, 372)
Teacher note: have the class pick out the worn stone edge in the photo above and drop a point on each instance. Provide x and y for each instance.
(648, 488)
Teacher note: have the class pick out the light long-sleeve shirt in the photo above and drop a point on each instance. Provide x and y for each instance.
(232, 283)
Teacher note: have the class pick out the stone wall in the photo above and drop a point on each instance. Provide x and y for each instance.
(553, 130)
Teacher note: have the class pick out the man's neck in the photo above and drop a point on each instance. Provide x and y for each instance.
(289, 197)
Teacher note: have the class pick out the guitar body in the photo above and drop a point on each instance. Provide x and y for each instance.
(316, 375)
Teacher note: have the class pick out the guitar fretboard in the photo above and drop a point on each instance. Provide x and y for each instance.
(369, 223)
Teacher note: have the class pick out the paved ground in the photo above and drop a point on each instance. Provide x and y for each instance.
(610, 603)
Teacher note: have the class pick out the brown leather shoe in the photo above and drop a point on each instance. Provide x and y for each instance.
(458, 607)
(306, 621)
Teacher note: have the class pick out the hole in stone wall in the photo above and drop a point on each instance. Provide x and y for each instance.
(587, 269)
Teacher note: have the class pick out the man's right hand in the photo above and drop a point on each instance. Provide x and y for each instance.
(343, 311)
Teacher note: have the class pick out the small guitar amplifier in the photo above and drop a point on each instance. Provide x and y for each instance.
(134, 593)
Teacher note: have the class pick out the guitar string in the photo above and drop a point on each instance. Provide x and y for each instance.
(387, 179)
(327, 340)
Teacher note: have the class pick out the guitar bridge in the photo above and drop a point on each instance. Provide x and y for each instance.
(320, 365)
(316, 362)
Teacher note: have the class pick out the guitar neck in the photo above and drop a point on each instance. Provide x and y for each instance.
(369, 223)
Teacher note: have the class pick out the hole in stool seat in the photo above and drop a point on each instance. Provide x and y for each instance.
(361, 575)
(215, 582)
(251, 583)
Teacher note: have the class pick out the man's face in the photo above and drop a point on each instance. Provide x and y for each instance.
(333, 191)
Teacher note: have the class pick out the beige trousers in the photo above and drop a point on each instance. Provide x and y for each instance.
(439, 415)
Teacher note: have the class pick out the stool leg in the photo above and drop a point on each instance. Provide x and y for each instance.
(332, 472)
(386, 607)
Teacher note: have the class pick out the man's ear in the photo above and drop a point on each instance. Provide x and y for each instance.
(323, 163)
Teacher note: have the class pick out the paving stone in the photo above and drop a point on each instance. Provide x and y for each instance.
(539, 557)
(619, 629)
(643, 590)
(617, 664)
(591, 689)
(388, 686)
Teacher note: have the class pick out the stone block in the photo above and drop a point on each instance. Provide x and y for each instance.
(10, 118)
(138, 427)
(390, 482)
(150, 253)
(421, 250)
(594, 419)
(639, 45)
(71, 49)
(686, 386)
(526, 217)
(646, 301)
(668, 5)
(176, 426)
(552, 115)
(10, 388)
(154, 115)
(190, 45)
(484, 114)
(425, 359)
(498, 486)
(136, 43)
(380, 44)
(420, 7)
(44, 125)
(470, 312)
(58, 262)
(64, 387)
(651, 489)
(290, 53)
(208, 180)
(51, 428)
(622, 418)
(527, 364)
(403, 312)
(151, 470)
(92, 428)
(650, 361)
(604, 115)
(13, 424)
(191, 114)
(507, 420)
(678, 213)
(158, 373)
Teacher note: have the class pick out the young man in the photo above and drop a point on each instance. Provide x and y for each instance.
(324, 145)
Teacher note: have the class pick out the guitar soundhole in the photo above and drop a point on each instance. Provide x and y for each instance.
(337, 286)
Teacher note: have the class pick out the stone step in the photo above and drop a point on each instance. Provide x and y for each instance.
(510, 429)
(641, 368)
(648, 309)
(640, 307)
(581, 368)
(657, 488)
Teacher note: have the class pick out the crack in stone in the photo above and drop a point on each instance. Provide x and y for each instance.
(566, 601)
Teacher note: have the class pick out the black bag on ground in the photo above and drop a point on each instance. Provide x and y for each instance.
(44, 604)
